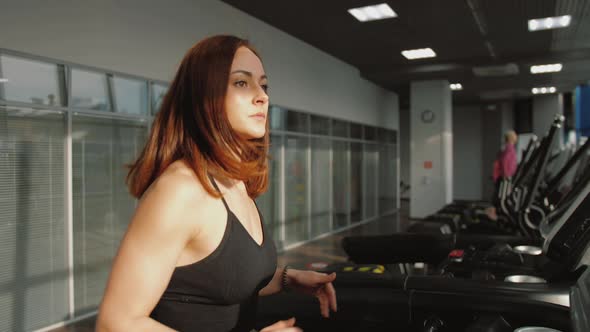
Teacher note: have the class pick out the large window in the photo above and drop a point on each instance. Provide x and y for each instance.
(102, 205)
(130, 95)
(31, 81)
(33, 242)
(90, 90)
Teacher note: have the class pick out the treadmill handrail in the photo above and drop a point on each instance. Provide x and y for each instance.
(530, 162)
(539, 170)
(525, 157)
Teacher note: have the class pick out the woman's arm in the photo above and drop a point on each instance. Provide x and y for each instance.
(147, 256)
(306, 282)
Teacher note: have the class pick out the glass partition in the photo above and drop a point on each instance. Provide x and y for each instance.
(340, 128)
(356, 182)
(356, 131)
(278, 118)
(297, 122)
(370, 182)
(320, 186)
(296, 193)
(387, 179)
(269, 203)
(320, 125)
(341, 180)
(370, 133)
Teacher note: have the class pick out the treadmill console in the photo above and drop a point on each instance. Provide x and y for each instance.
(496, 262)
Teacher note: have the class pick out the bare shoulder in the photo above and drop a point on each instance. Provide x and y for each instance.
(177, 180)
(173, 196)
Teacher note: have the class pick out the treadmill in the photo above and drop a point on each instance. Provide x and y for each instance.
(387, 301)
(462, 254)
(371, 249)
(513, 202)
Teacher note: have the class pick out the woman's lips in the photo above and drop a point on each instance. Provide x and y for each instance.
(260, 116)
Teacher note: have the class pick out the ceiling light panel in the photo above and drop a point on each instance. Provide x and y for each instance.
(542, 69)
(456, 86)
(372, 13)
(420, 53)
(544, 90)
(547, 23)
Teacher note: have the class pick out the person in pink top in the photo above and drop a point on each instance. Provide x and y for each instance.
(504, 168)
(505, 165)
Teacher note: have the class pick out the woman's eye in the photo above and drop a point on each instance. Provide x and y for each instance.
(265, 87)
(241, 84)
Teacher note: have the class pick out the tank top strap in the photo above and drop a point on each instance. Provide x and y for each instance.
(219, 191)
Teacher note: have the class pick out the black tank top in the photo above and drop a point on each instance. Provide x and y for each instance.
(220, 292)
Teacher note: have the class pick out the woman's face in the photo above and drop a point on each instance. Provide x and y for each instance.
(246, 101)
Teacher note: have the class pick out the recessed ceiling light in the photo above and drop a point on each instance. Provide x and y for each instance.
(372, 13)
(546, 23)
(541, 69)
(456, 86)
(3, 80)
(543, 90)
(420, 53)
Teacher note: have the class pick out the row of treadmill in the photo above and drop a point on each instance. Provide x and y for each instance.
(525, 271)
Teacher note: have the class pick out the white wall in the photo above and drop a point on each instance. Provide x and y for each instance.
(389, 115)
(430, 142)
(477, 137)
(467, 156)
(545, 107)
(491, 145)
(404, 142)
(149, 38)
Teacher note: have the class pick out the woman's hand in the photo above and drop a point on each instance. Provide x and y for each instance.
(316, 284)
(282, 326)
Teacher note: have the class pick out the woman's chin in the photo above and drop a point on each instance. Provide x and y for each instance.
(252, 135)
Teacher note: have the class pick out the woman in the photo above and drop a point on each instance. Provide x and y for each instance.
(506, 163)
(196, 254)
(503, 169)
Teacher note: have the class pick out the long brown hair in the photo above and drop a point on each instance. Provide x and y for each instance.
(192, 125)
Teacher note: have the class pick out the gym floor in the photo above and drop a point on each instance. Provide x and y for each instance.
(326, 250)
